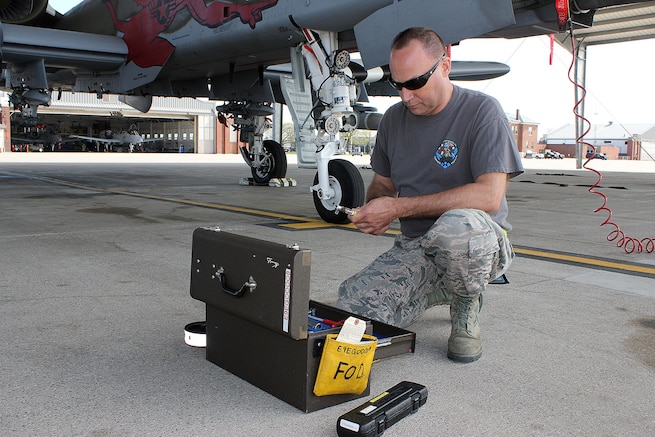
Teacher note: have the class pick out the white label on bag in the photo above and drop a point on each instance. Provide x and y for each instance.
(352, 330)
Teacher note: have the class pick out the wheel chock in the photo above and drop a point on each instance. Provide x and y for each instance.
(282, 182)
(274, 182)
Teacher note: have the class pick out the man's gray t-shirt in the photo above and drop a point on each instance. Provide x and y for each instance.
(470, 137)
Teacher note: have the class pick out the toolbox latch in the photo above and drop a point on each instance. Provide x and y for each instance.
(381, 422)
(416, 402)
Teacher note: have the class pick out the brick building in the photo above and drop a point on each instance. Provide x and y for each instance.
(616, 141)
(525, 133)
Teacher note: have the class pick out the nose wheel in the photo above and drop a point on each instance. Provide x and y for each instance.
(348, 186)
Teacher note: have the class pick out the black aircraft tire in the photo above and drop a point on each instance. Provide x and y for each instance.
(276, 165)
(347, 182)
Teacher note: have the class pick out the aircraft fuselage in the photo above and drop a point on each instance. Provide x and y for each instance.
(220, 39)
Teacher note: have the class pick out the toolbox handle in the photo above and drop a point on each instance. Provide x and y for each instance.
(250, 284)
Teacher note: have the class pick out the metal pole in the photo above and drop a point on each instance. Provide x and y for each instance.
(277, 122)
(580, 73)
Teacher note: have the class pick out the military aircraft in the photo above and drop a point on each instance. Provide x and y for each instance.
(38, 136)
(130, 138)
(231, 51)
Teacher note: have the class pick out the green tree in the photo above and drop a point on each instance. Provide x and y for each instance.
(288, 134)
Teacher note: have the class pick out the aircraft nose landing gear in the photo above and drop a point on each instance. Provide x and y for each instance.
(346, 187)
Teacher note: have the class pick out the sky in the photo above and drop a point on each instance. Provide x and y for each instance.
(619, 84)
(63, 5)
(619, 81)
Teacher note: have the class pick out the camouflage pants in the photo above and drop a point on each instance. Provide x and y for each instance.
(463, 250)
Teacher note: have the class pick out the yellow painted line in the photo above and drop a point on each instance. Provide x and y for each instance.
(306, 223)
(585, 260)
(309, 224)
(303, 223)
(175, 200)
(230, 208)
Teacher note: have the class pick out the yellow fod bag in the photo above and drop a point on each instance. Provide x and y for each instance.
(344, 367)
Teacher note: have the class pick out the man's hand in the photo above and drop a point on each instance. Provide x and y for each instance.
(376, 216)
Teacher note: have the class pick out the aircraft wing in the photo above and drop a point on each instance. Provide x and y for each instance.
(98, 139)
(221, 49)
(41, 140)
(118, 140)
(27, 140)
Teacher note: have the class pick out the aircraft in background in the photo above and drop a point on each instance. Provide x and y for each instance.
(130, 138)
(236, 51)
(35, 137)
(39, 137)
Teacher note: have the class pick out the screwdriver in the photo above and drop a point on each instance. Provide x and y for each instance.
(345, 210)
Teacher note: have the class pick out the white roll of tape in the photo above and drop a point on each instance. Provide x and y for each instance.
(195, 334)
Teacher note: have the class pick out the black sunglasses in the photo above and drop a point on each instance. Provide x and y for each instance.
(419, 81)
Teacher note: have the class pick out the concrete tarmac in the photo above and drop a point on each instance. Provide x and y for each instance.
(94, 295)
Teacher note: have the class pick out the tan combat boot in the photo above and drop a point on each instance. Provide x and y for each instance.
(464, 344)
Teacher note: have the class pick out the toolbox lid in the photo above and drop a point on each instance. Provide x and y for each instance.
(264, 282)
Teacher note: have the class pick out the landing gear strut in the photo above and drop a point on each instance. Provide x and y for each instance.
(320, 93)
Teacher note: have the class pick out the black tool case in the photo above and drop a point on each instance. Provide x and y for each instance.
(372, 418)
(257, 303)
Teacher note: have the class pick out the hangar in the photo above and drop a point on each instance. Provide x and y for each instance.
(172, 125)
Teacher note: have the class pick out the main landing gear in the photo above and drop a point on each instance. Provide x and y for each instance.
(272, 163)
(266, 158)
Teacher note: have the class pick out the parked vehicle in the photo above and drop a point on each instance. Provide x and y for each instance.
(597, 155)
(553, 155)
(531, 154)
